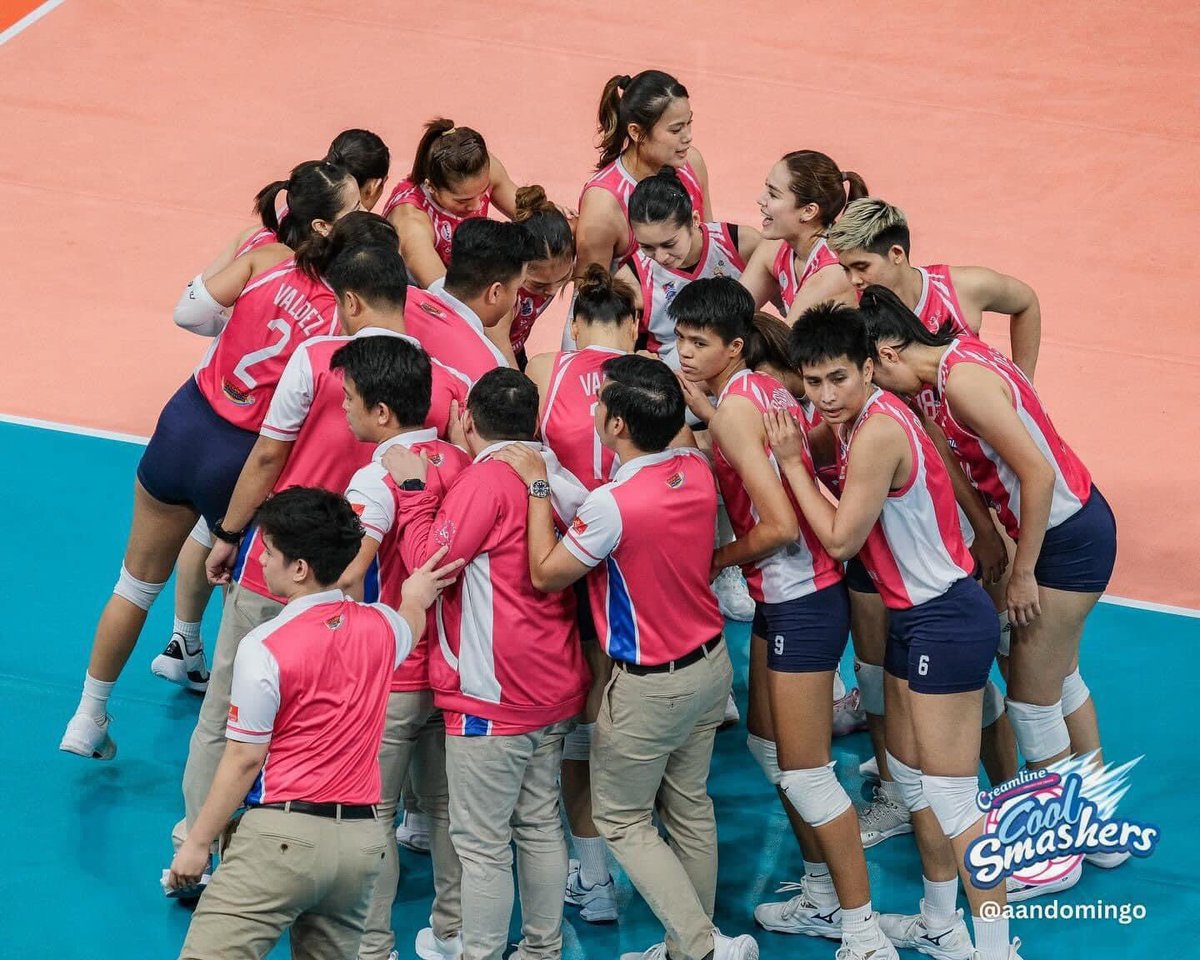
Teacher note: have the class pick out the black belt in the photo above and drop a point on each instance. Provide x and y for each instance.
(640, 669)
(334, 811)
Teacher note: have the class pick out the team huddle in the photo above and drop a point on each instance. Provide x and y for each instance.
(481, 587)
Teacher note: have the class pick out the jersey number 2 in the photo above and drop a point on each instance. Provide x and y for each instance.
(242, 370)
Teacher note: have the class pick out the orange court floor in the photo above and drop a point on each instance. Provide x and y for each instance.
(1058, 144)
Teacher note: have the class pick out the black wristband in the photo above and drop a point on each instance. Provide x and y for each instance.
(227, 536)
(413, 484)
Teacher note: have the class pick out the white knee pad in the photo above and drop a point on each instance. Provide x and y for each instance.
(201, 534)
(993, 704)
(870, 686)
(1041, 731)
(1005, 634)
(908, 779)
(1074, 693)
(767, 755)
(138, 592)
(577, 745)
(816, 794)
(953, 802)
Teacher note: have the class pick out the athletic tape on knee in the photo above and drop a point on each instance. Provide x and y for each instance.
(953, 802)
(1075, 693)
(816, 794)
(138, 592)
(1041, 731)
(908, 779)
(993, 704)
(201, 534)
(767, 755)
(577, 745)
(870, 686)
(1005, 634)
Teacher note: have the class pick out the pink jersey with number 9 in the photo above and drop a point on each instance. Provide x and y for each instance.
(275, 313)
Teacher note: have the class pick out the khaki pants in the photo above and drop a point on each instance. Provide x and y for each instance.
(652, 747)
(288, 870)
(505, 789)
(243, 610)
(414, 742)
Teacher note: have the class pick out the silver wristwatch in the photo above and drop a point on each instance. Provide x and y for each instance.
(539, 489)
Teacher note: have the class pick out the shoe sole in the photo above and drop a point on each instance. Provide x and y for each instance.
(186, 682)
(894, 832)
(830, 935)
(413, 848)
(1044, 890)
(106, 751)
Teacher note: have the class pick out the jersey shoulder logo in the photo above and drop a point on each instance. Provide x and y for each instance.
(782, 399)
(578, 526)
(676, 480)
(334, 622)
(432, 309)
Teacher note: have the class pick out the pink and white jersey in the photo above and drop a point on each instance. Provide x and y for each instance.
(618, 181)
(275, 313)
(450, 331)
(529, 307)
(984, 467)
(719, 257)
(568, 424)
(802, 567)
(508, 658)
(938, 304)
(784, 269)
(915, 551)
(372, 494)
(306, 411)
(444, 222)
(313, 683)
(259, 238)
(648, 537)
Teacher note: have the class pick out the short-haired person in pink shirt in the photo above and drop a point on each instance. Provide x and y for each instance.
(507, 669)
(644, 541)
(306, 715)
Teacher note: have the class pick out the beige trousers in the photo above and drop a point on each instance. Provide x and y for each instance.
(288, 870)
(414, 742)
(651, 749)
(505, 789)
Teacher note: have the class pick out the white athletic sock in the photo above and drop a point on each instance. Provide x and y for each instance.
(190, 633)
(416, 822)
(94, 702)
(991, 938)
(857, 922)
(593, 860)
(938, 908)
(892, 791)
(819, 884)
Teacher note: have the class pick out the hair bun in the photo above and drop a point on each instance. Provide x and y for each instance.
(624, 81)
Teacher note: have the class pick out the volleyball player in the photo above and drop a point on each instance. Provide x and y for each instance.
(549, 271)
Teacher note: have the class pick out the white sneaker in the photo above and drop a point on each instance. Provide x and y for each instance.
(882, 818)
(656, 952)
(597, 903)
(429, 946)
(1012, 951)
(412, 833)
(1018, 891)
(182, 664)
(799, 915)
(869, 769)
(88, 737)
(1106, 861)
(848, 714)
(875, 947)
(732, 716)
(733, 597)
(911, 933)
(186, 893)
(743, 947)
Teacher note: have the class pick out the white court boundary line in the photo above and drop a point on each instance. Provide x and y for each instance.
(142, 441)
(32, 17)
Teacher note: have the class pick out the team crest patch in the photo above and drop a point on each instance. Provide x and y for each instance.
(358, 508)
(445, 231)
(431, 309)
(669, 291)
(675, 481)
(445, 532)
(578, 526)
(719, 269)
(437, 459)
(236, 394)
(525, 307)
(334, 622)
(233, 713)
